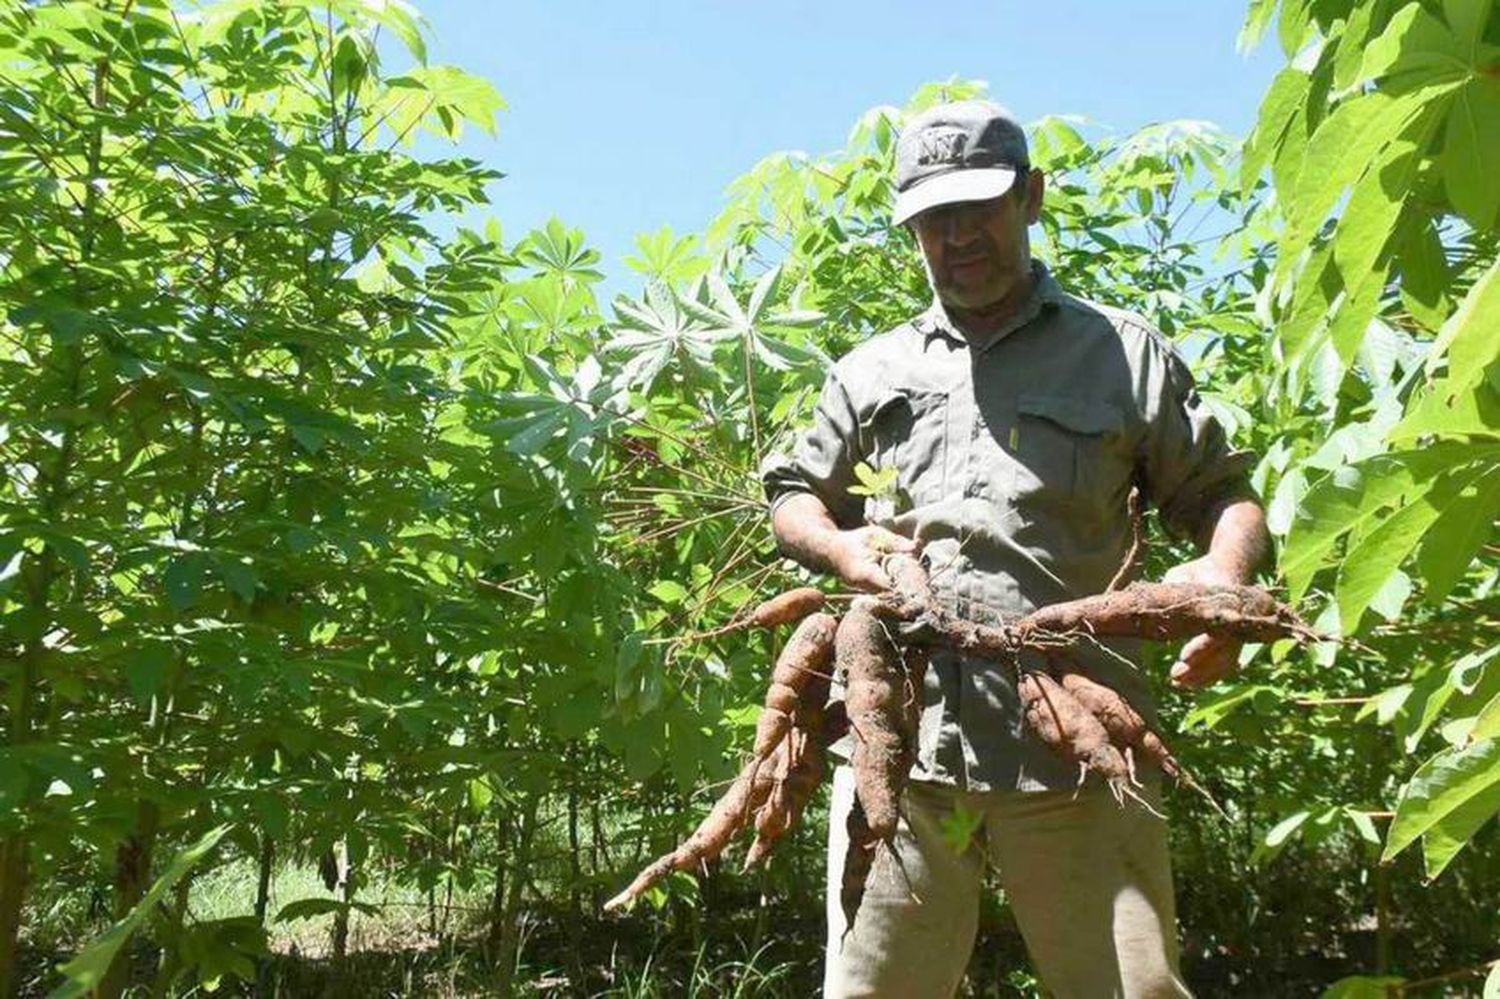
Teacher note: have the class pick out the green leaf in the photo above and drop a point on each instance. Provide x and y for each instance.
(439, 99)
(1363, 987)
(1213, 708)
(403, 20)
(1415, 49)
(1351, 141)
(238, 576)
(1293, 25)
(1363, 825)
(1351, 42)
(1278, 110)
(184, 579)
(1471, 153)
(1467, 340)
(146, 672)
(1368, 223)
(1487, 724)
(480, 793)
(1451, 833)
(1257, 20)
(959, 826)
(1425, 276)
(1440, 787)
(1277, 837)
(875, 482)
(627, 662)
(87, 970)
(669, 592)
(1346, 500)
(1457, 535)
(744, 716)
(311, 908)
(1432, 693)
(1370, 563)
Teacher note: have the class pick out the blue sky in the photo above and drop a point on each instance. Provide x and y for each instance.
(627, 114)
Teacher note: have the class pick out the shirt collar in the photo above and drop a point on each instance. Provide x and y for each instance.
(1045, 293)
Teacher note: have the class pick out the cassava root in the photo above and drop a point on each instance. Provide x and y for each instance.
(880, 648)
(791, 717)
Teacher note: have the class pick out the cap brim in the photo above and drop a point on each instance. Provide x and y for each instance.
(974, 184)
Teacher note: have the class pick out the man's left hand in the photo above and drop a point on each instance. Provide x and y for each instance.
(1205, 659)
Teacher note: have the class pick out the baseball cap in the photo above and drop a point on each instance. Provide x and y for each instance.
(961, 151)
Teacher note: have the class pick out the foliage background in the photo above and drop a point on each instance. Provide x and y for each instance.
(341, 558)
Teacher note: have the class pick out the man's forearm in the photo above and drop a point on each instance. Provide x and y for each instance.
(806, 532)
(1238, 540)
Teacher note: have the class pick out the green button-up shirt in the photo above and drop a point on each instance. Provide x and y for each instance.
(1014, 456)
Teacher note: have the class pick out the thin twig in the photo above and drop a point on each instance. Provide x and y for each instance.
(1475, 969)
(1137, 541)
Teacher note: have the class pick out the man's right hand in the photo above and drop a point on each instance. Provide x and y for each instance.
(856, 556)
(807, 533)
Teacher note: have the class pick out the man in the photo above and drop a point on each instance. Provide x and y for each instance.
(1016, 418)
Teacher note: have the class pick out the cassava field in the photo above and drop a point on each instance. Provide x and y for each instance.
(385, 614)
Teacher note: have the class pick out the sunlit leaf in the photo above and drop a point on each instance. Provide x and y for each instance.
(1441, 786)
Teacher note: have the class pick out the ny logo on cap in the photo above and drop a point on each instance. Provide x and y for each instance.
(940, 147)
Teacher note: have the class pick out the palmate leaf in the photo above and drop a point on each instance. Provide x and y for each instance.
(1342, 149)
(1418, 49)
(689, 326)
(1431, 78)
(1414, 47)
(754, 321)
(578, 407)
(655, 331)
(667, 257)
(439, 99)
(400, 17)
(560, 251)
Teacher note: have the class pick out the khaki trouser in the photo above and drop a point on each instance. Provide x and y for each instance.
(1090, 884)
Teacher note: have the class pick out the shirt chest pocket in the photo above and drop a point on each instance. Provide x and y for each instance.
(903, 440)
(1069, 449)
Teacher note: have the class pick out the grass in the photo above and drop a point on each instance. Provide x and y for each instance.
(403, 921)
(395, 951)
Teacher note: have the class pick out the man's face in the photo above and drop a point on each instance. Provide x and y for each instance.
(978, 251)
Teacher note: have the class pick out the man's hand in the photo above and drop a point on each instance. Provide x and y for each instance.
(805, 531)
(1205, 659)
(1237, 542)
(856, 555)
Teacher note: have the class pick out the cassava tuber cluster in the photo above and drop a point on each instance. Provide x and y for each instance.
(879, 648)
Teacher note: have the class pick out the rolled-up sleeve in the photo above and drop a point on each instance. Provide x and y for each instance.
(1189, 465)
(822, 459)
